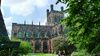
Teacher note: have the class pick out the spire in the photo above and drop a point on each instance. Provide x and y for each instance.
(39, 22)
(39, 26)
(51, 7)
(24, 22)
(62, 8)
(32, 22)
(47, 12)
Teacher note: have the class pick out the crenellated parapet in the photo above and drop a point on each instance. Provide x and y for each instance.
(54, 16)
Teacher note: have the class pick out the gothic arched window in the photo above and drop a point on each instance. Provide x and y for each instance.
(35, 33)
(42, 33)
(48, 34)
(20, 35)
(55, 19)
(28, 33)
(61, 28)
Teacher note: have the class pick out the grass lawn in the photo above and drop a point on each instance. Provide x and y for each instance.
(42, 54)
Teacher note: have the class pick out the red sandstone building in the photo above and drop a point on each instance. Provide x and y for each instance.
(40, 35)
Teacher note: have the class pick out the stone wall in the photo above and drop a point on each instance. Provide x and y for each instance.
(40, 35)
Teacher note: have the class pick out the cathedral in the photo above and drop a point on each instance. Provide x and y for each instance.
(41, 35)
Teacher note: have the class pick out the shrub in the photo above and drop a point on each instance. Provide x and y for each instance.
(97, 49)
(24, 48)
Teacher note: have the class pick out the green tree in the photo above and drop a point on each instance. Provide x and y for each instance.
(24, 48)
(60, 44)
(84, 20)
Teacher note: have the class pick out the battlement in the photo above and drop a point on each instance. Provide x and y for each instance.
(52, 10)
(54, 16)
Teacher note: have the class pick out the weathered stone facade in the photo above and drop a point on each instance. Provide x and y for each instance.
(54, 17)
(41, 36)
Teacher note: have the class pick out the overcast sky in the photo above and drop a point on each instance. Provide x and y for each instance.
(18, 11)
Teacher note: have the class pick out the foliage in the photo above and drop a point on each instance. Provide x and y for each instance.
(4, 45)
(60, 44)
(4, 51)
(97, 49)
(84, 20)
(24, 48)
(77, 54)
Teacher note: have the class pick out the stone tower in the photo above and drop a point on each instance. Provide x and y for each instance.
(3, 31)
(54, 17)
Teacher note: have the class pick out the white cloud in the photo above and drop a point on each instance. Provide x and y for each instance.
(23, 7)
(41, 3)
(29, 21)
(8, 20)
(12, 2)
(9, 30)
(44, 22)
(2, 11)
(65, 15)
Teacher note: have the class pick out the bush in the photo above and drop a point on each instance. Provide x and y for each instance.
(77, 54)
(24, 48)
(60, 44)
(97, 49)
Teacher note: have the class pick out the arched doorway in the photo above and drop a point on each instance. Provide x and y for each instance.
(45, 48)
(37, 46)
(42, 33)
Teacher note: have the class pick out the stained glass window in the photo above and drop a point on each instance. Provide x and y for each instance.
(35, 33)
(20, 34)
(42, 33)
(48, 34)
(27, 34)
